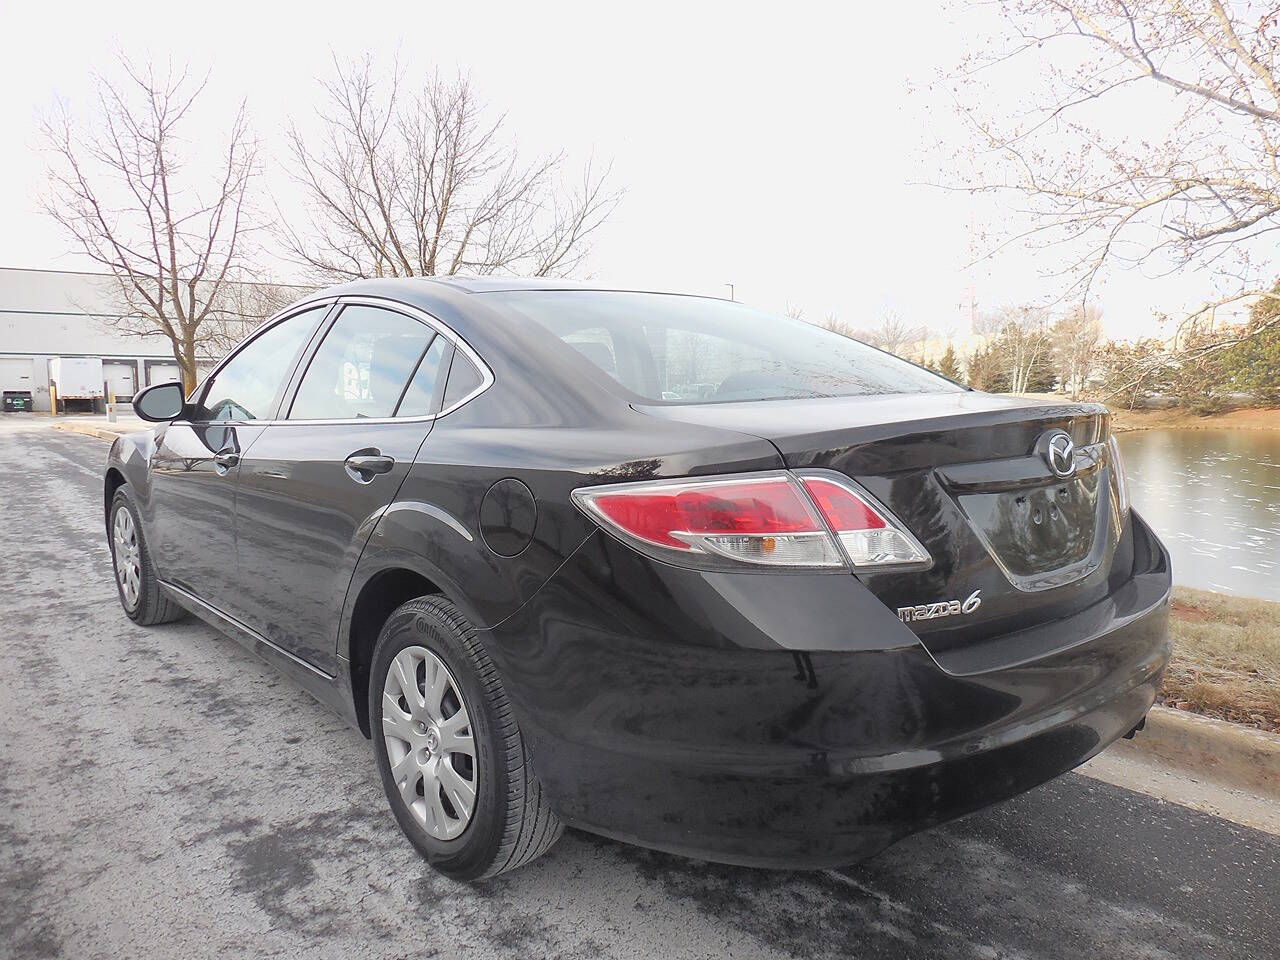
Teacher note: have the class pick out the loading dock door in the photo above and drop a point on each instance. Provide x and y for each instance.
(119, 377)
(162, 373)
(15, 374)
(17, 387)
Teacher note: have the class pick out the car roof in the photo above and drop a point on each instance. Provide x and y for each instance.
(407, 286)
(494, 284)
(505, 342)
(522, 355)
(452, 300)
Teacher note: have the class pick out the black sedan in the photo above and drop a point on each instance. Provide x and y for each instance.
(659, 567)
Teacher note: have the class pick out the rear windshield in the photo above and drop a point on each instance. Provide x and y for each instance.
(679, 349)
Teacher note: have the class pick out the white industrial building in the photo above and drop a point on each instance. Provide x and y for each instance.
(53, 313)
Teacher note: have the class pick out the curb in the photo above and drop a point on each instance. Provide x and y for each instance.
(1227, 753)
(88, 429)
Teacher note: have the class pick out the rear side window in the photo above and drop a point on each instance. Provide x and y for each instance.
(247, 386)
(666, 348)
(362, 367)
(464, 379)
(420, 393)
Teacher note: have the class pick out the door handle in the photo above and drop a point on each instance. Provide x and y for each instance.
(363, 466)
(224, 460)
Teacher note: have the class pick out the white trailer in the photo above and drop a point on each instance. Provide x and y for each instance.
(77, 379)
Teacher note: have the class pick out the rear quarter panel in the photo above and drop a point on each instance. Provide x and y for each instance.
(433, 526)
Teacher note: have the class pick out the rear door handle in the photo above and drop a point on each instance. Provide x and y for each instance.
(224, 460)
(363, 467)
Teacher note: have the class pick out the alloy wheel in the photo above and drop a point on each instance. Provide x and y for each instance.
(428, 736)
(127, 557)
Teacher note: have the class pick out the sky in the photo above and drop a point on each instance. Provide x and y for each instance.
(786, 149)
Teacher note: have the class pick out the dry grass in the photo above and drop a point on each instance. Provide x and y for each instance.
(1253, 418)
(1226, 658)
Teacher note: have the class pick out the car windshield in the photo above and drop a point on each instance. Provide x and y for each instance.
(682, 349)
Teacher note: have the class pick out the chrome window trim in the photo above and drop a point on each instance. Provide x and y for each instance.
(385, 303)
(292, 310)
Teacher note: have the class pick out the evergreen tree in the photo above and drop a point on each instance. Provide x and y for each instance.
(949, 364)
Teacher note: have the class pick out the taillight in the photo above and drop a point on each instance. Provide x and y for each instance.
(869, 534)
(761, 519)
(772, 519)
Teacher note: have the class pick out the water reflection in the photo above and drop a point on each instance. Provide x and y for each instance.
(1214, 498)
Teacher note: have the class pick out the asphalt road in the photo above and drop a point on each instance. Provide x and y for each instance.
(165, 794)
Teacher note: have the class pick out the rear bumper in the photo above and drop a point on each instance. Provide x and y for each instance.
(660, 714)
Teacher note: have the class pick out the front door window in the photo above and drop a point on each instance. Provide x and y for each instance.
(248, 385)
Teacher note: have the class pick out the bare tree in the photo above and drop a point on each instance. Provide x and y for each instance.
(421, 183)
(118, 187)
(836, 325)
(1022, 342)
(892, 333)
(920, 343)
(240, 307)
(1203, 192)
(1077, 338)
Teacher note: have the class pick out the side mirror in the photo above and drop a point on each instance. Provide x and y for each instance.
(160, 403)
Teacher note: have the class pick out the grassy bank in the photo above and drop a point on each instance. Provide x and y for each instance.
(1247, 418)
(1226, 658)
(1176, 417)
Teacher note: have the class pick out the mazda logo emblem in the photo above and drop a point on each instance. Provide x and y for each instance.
(1061, 455)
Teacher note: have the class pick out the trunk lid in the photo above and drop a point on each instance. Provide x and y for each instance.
(1012, 543)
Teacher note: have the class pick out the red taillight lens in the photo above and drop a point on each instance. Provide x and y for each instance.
(745, 507)
(869, 535)
(774, 519)
(762, 520)
(841, 507)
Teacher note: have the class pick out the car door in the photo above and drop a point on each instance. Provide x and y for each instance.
(195, 464)
(313, 485)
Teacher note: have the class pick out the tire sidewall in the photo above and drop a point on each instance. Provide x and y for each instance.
(146, 583)
(424, 623)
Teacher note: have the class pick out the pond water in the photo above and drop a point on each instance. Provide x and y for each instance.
(1213, 496)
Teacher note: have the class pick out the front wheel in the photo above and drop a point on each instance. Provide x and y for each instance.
(452, 760)
(140, 593)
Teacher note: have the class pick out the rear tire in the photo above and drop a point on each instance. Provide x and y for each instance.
(510, 822)
(140, 594)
